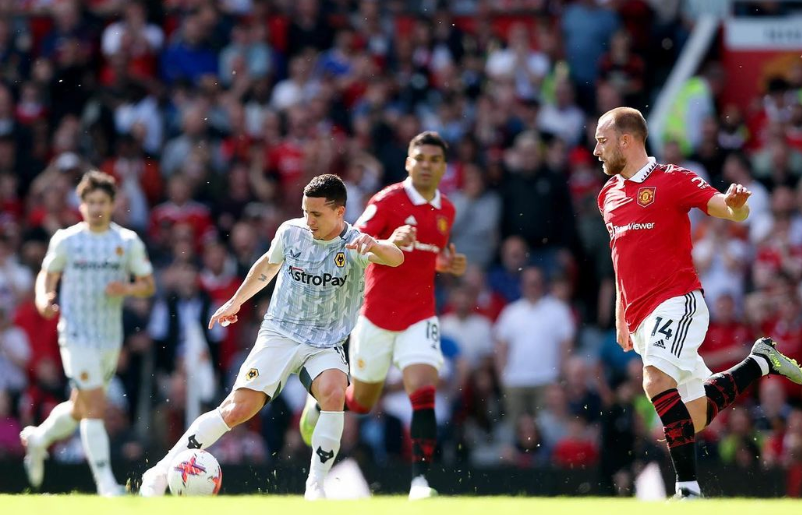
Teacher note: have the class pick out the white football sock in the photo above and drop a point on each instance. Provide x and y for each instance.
(693, 486)
(207, 429)
(762, 362)
(58, 425)
(326, 443)
(96, 446)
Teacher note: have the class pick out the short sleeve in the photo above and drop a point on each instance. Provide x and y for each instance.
(693, 191)
(374, 219)
(140, 264)
(275, 254)
(56, 258)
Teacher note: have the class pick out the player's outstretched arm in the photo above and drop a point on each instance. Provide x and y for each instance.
(381, 252)
(731, 205)
(259, 276)
(45, 293)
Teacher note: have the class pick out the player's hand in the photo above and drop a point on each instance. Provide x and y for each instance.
(362, 244)
(622, 336)
(225, 315)
(451, 262)
(736, 196)
(116, 289)
(46, 306)
(404, 236)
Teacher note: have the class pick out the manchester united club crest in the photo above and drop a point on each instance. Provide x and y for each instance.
(442, 224)
(646, 196)
(339, 259)
(252, 374)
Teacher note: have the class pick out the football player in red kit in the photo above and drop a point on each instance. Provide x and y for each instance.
(398, 323)
(660, 310)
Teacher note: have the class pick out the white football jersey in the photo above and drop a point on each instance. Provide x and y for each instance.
(88, 262)
(320, 287)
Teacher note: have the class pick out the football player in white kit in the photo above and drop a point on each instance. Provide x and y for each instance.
(94, 261)
(319, 261)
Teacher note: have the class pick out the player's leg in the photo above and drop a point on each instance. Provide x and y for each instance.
(239, 407)
(668, 341)
(260, 378)
(59, 424)
(370, 355)
(95, 369)
(95, 440)
(678, 426)
(324, 373)
(723, 388)
(419, 357)
(329, 390)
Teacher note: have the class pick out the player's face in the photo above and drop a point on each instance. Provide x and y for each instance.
(426, 165)
(322, 217)
(96, 208)
(608, 148)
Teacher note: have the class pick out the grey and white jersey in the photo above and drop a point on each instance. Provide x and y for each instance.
(320, 286)
(88, 262)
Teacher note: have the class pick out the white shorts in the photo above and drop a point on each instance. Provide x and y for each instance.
(274, 357)
(669, 340)
(373, 349)
(88, 368)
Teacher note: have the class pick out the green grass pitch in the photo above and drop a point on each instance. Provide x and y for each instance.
(295, 505)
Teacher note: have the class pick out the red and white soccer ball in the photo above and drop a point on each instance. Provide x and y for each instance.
(194, 472)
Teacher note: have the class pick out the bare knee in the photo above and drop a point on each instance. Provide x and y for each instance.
(241, 407)
(329, 390)
(419, 376)
(367, 395)
(656, 382)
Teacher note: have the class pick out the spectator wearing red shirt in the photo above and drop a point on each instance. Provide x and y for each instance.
(728, 338)
(179, 209)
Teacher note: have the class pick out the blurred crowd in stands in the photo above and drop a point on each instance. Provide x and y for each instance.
(212, 115)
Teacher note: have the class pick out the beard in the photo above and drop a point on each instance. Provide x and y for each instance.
(615, 164)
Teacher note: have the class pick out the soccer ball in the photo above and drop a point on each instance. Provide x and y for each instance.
(194, 472)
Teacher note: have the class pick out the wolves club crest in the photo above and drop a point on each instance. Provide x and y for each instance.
(339, 259)
(646, 196)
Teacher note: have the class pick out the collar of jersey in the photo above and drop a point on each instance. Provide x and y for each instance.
(339, 238)
(642, 174)
(417, 198)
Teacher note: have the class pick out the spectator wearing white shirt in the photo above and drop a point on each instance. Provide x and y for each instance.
(472, 332)
(533, 335)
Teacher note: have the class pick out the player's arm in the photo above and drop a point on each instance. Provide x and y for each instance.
(45, 293)
(731, 205)
(381, 252)
(449, 261)
(259, 276)
(621, 330)
(144, 286)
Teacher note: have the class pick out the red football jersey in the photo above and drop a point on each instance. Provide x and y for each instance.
(650, 234)
(396, 298)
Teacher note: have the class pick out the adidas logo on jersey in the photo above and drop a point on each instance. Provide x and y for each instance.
(659, 344)
(411, 220)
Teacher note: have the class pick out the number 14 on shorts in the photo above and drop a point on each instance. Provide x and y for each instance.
(664, 329)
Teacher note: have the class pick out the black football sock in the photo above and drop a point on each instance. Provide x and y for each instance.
(680, 436)
(423, 430)
(723, 388)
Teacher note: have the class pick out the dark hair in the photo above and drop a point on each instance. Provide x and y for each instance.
(327, 186)
(429, 138)
(94, 180)
(627, 120)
